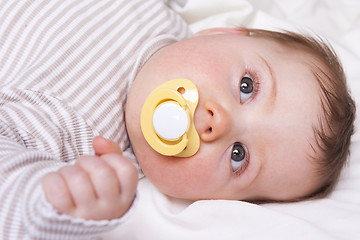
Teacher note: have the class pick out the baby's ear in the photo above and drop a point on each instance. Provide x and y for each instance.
(212, 31)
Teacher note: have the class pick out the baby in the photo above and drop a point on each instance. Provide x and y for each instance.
(274, 115)
(275, 102)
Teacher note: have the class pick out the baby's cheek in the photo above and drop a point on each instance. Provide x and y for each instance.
(176, 177)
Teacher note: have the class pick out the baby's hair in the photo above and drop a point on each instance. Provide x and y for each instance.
(333, 137)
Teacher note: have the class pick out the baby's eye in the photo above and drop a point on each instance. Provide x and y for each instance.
(246, 88)
(238, 155)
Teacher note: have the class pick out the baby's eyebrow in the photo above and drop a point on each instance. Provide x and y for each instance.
(273, 91)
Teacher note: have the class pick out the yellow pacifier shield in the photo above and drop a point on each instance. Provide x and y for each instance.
(167, 118)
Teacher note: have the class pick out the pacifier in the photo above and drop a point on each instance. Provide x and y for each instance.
(167, 118)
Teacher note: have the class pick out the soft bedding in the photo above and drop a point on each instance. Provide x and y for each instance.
(335, 217)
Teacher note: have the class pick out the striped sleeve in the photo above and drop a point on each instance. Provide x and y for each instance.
(65, 69)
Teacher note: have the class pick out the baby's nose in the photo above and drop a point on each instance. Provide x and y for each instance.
(214, 121)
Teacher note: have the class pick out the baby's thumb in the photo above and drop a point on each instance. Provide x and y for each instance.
(104, 146)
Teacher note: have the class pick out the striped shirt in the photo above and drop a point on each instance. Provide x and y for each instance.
(65, 69)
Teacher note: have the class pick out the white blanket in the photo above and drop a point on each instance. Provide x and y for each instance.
(337, 216)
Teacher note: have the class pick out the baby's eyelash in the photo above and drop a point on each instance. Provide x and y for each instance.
(244, 166)
(256, 81)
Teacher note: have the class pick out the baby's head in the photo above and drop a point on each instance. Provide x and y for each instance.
(336, 119)
(274, 116)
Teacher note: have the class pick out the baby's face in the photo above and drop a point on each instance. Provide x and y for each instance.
(258, 105)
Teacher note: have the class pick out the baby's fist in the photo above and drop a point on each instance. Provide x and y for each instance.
(96, 187)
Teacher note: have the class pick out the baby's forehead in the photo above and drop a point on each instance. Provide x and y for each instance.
(308, 49)
(305, 59)
(299, 100)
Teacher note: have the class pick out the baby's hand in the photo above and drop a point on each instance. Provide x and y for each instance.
(96, 187)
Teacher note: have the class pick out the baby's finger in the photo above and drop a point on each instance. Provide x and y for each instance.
(104, 146)
(57, 192)
(79, 184)
(126, 172)
(105, 182)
